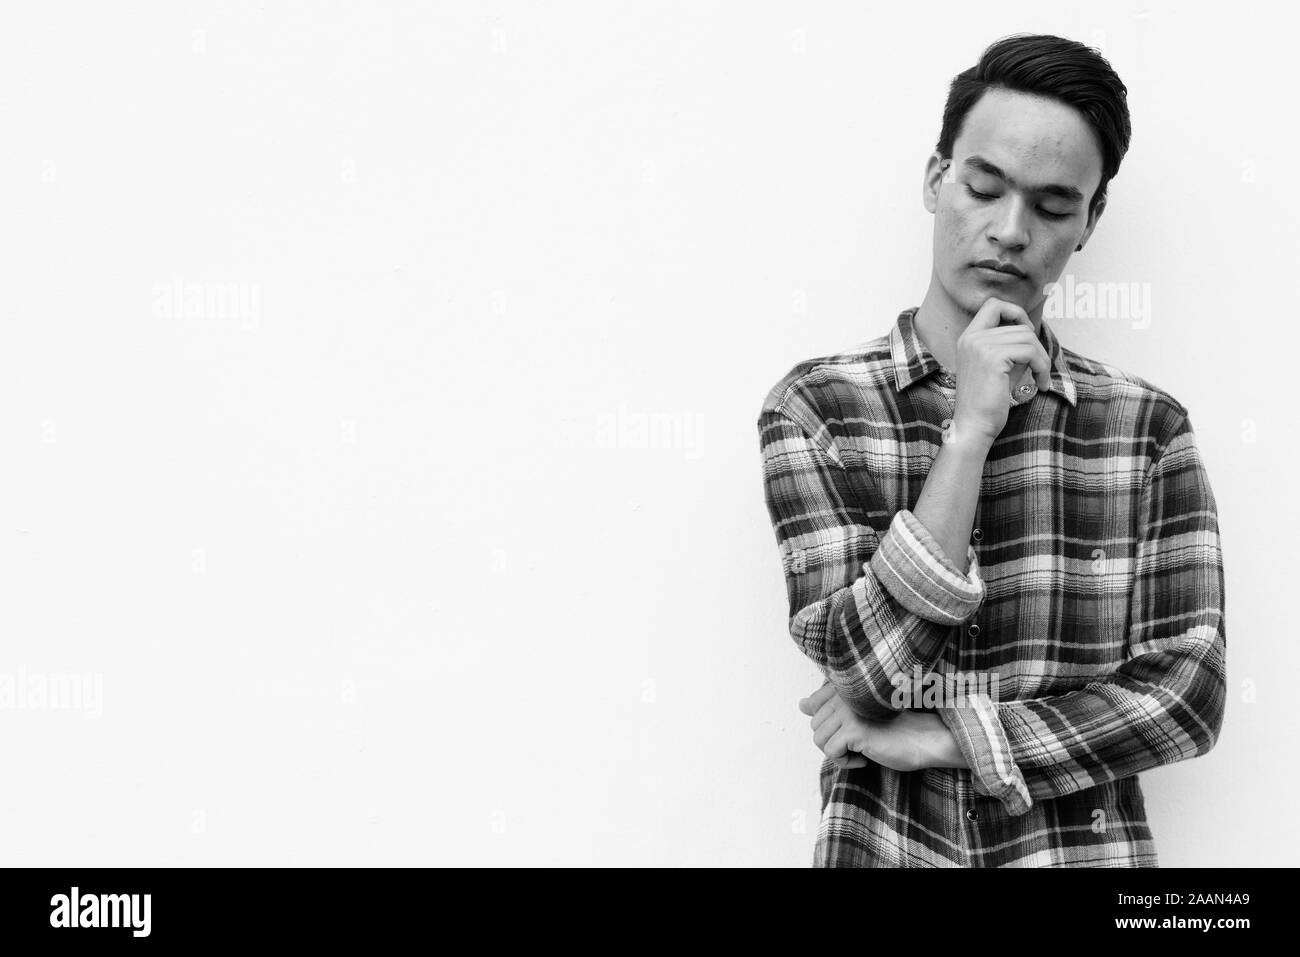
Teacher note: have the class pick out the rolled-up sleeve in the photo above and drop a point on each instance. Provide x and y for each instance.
(917, 572)
(1165, 702)
(866, 609)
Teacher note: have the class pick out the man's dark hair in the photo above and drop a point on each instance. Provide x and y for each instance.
(1053, 67)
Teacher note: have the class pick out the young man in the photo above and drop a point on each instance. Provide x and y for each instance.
(1004, 556)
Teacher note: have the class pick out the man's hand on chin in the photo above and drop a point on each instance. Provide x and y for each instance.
(910, 742)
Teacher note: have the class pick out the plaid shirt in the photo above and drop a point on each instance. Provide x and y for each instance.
(1084, 644)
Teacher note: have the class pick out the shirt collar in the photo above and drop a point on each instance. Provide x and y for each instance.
(912, 361)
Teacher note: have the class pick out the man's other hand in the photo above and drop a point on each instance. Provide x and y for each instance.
(909, 742)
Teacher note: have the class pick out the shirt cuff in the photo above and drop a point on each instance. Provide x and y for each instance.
(918, 573)
(983, 743)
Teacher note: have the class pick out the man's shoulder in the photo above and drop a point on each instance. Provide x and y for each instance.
(810, 383)
(1118, 388)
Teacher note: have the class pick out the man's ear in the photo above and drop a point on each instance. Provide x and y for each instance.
(936, 169)
(1092, 222)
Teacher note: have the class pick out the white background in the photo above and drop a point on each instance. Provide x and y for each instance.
(375, 572)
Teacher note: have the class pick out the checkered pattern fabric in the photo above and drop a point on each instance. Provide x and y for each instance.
(1088, 626)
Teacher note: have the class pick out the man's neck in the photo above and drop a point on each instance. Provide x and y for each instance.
(939, 322)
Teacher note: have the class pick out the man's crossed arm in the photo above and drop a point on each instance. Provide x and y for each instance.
(1164, 704)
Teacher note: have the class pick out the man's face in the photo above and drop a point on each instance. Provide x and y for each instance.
(995, 199)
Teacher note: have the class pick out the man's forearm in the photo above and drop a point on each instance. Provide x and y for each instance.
(947, 503)
(940, 746)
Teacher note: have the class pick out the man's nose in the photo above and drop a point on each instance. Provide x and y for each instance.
(1010, 227)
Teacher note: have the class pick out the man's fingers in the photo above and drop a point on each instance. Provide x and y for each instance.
(851, 759)
(824, 712)
(812, 704)
(1022, 333)
(827, 728)
(837, 746)
(1032, 355)
(996, 311)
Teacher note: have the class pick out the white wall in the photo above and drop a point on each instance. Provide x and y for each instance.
(362, 571)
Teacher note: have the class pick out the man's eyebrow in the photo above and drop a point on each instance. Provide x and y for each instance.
(1069, 193)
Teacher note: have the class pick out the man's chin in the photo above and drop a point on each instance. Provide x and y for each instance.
(975, 294)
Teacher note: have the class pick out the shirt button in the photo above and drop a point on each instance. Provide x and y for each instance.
(971, 815)
(978, 535)
(973, 631)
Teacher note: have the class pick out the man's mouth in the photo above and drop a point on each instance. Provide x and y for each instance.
(993, 268)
